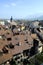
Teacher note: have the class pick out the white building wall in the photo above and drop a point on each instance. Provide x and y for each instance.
(2, 22)
(40, 49)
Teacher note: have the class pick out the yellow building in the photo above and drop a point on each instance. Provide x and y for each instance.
(22, 28)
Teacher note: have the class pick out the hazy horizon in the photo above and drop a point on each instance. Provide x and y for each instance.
(20, 8)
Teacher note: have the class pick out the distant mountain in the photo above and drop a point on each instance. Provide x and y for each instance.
(40, 18)
(37, 17)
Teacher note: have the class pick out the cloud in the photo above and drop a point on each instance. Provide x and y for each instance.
(10, 5)
(6, 5)
(13, 4)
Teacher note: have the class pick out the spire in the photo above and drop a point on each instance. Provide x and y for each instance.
(11, 19)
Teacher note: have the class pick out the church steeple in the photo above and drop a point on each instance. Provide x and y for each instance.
(11, 19)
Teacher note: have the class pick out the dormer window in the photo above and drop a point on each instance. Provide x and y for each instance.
(0, 28)
(5, 50)
(10, 46)
(19, 44)
(8, 33)
(9, 39)
(26, 41)
(3, 37)
(1, 52)
(0, 37)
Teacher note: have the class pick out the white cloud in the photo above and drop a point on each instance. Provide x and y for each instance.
(6, 5)
(10, 5)
(13, 4)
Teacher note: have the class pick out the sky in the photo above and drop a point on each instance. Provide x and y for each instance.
(20, 8)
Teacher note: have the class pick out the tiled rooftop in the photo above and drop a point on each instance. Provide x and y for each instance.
(21, 42)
